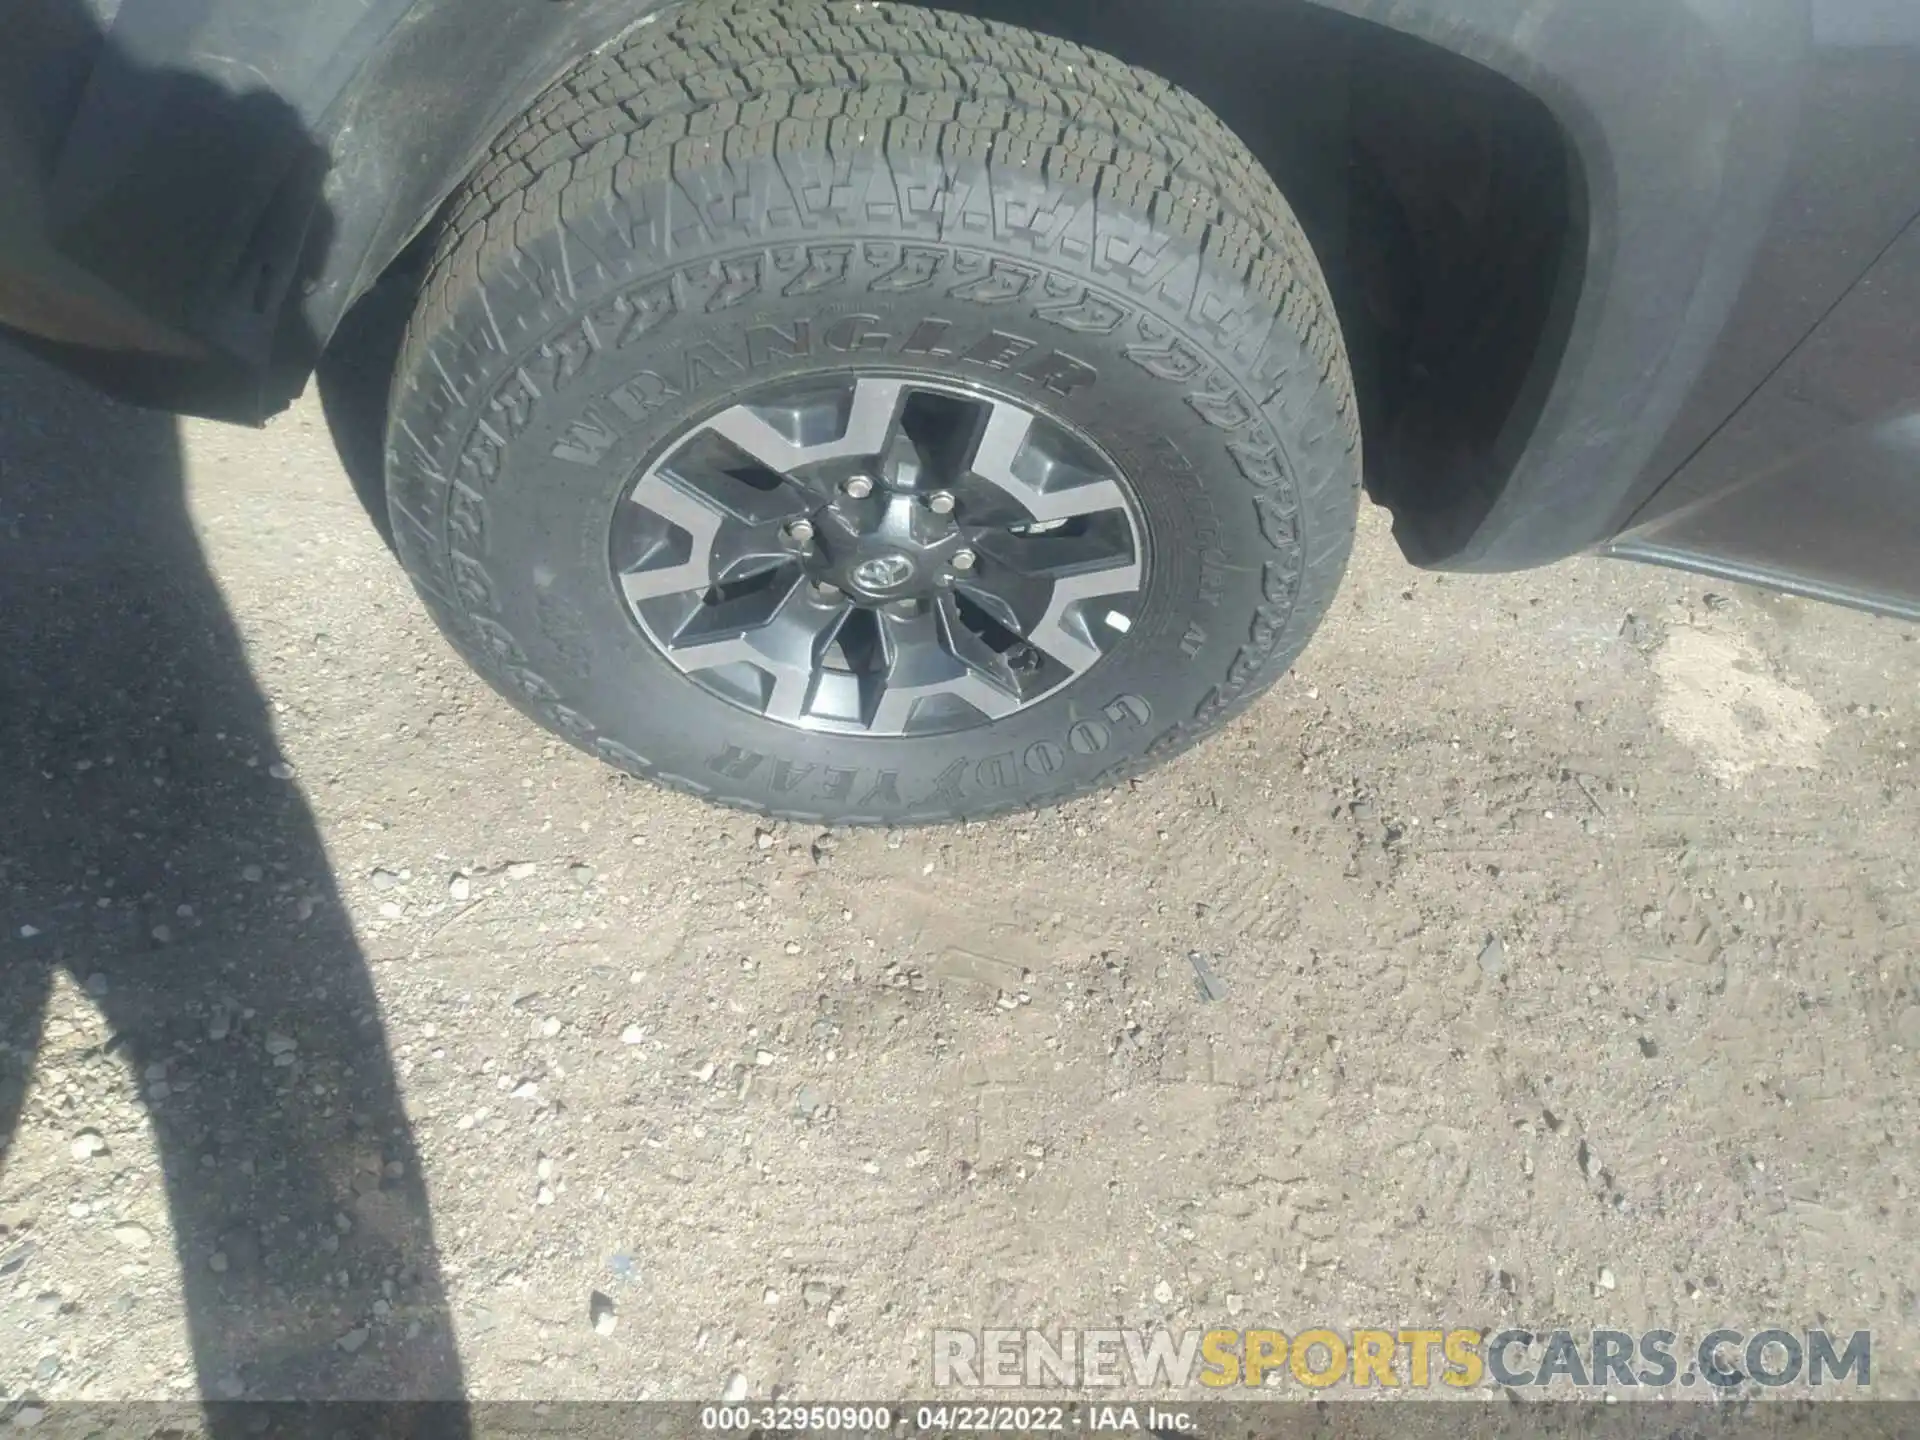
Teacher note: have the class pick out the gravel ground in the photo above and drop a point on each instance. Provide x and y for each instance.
(361, 1040)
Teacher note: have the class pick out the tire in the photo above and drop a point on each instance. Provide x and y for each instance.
(745, 195)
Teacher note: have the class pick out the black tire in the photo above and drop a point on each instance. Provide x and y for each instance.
(748, 190)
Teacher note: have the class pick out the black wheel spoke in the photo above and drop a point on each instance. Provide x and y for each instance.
(880, 556)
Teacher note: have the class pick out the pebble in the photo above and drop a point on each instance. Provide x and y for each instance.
(1235, 1303)
(816, 1293)
(27, 932)
(1607, 1282)
(526, 1090)
(87, 1144)
(704, 1073)
(252, 874)
(602, 1312)
(550, 1026)
(353, 1339)
(544, 1196)
(1493, 957)
(133, 1236)
(1163, 1292)
(79, 1209)
(391, 910)
(385, 879)
(764, 840)
(278, 1044)
(544, 1170)
(162, 934)
(521, 870)
(735, 1389)
(218, 1262)
(220, 1026)
(460, 888)
(280, 770)
(808, 1102)
(16, 1258)
(580, 874)
(632, 1035)
(763, 1058)
(772, 1297)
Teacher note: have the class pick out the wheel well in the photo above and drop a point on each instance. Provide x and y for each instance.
(1444, 202)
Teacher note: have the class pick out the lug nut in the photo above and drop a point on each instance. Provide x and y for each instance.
(800, 531)
(858, 488)
(940, 502)
(962, 560)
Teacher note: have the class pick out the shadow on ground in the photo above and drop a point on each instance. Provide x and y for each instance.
(156, 848)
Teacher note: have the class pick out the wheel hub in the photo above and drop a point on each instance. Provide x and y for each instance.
(880, 556)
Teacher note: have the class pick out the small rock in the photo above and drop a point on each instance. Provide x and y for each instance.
(772, 1297)
(816, 1293)
(1607, 1282)
(220, 1026)
(581, 875)
(16, 1259)
(544, 1169)
(252, 874)
(735, 1389)
(385, 879)
(1163, 1293)
(808, 1102)
(79, 1209)
(763, 839)
(836, 1316)
(353, 1339)
(521, 870)
(391, 910)
(1235, 1303)
(763, 1058)
(632, 1035)
(793, 947)
(162, 934)
(278, 1044)
(602, 1312)
(27, 932)
(218, 1262)
(704, 1072)
(87, 1144)
(544, 1195)
(460, 888)
(526, 1090)
(550, 1026)
(280, 770)
(1650, 919)
(1493, 957)
(48, 1367)
(133, 1236)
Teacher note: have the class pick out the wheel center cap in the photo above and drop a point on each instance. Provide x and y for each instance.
(881, 573)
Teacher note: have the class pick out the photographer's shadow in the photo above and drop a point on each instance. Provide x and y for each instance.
(154, 846)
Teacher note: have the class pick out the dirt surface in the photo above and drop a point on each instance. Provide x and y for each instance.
(1563, 924)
